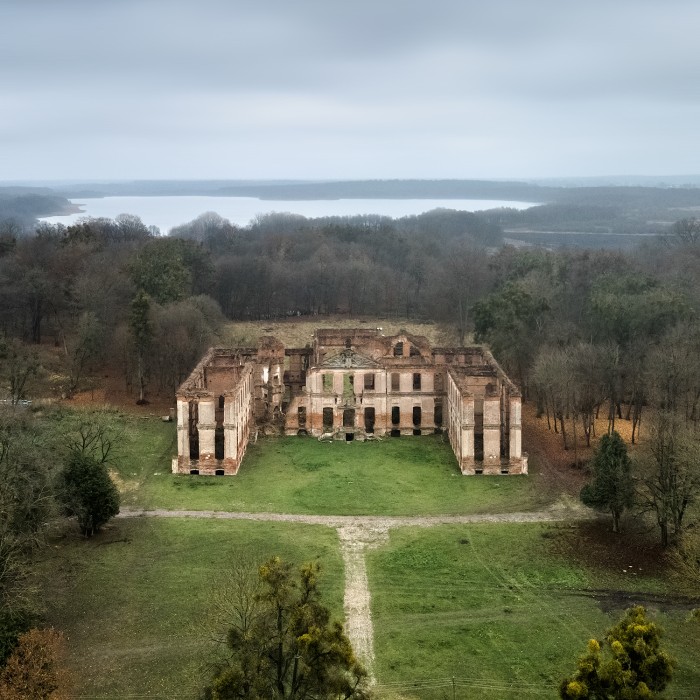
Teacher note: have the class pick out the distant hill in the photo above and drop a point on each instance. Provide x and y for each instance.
(20, 207)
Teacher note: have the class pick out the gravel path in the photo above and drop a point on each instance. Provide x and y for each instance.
(555, 514)
(357, 533)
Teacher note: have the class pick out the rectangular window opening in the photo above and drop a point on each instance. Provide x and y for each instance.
(349, 418)
(395, 415)
(416, 381)
(327, 419)
(369, 382)
(369, 420)
(417, 415)
(219, 443)
(395, 381)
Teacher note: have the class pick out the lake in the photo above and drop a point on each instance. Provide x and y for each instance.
(166, 212)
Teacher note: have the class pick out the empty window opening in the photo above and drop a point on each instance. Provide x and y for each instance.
(438, 414)
(504, 470)
(369, 420)
(369, 382)
(395, 381)
(479, 447)
(416, 381)
(417, 415)
(349, 437)
(194, 471)
(395, 415)
(327, 419)
(439, 383)
(301, 416)
(349, 418)
(328, 383)
(219, 472)
(348, 386)
(219, 443)
(395, 432)
(414, 351)
(478, 471)
(398, 349)
(193, 430)
(416, 431)
(221, 403)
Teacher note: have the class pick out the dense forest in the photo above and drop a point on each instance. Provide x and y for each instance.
(112, 291)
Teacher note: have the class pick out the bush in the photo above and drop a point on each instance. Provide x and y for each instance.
(88, 492)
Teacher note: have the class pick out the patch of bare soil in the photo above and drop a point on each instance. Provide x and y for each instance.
(616, 601)
(109, 389)
(592, 543)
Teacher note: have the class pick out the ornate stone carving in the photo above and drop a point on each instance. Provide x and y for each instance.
(349, 359)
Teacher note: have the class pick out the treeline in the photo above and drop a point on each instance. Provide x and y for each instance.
(77, 288)
(114, 291)
(589, 331)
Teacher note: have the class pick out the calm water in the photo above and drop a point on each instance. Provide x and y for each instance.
(166, 212)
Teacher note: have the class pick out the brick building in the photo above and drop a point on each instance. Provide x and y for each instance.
(350, 384)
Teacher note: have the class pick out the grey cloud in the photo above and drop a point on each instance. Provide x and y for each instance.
(390, 88)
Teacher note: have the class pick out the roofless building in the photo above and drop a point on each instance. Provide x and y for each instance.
(350, 384)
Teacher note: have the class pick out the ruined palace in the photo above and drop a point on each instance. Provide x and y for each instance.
(349, 384)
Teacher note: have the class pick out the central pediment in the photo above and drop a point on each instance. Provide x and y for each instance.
(349, 359)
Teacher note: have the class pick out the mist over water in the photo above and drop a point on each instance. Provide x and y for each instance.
(167, 212)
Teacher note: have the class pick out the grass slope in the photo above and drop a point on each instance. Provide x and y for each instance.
(499, 610)
(133, 600)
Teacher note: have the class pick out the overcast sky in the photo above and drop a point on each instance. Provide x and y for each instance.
(120, 89)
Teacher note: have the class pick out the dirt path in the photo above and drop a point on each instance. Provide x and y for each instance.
(561, 511)
(356, 534)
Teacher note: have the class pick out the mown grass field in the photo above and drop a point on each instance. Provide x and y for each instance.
(396, 476)
(135, 600)
(504, 609)
(503, 612)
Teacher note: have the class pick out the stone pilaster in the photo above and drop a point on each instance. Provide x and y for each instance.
(516, 448)
(206, 428)
(492, 434)
(466, 457)
(183, 433)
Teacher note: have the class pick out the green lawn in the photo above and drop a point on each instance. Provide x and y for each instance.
(396, 476)
(134, 600)
(495, 608)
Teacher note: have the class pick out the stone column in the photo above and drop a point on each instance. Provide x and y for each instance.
(516, 448)
(466, 457)
(230, 463)
(492, 434)
(207, 429)
(183, 435)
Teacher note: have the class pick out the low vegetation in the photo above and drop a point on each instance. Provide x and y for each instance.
(394, 476)
(135, 601)
(505, 609)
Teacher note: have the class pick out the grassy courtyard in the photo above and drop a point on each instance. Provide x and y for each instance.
(394, 476)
